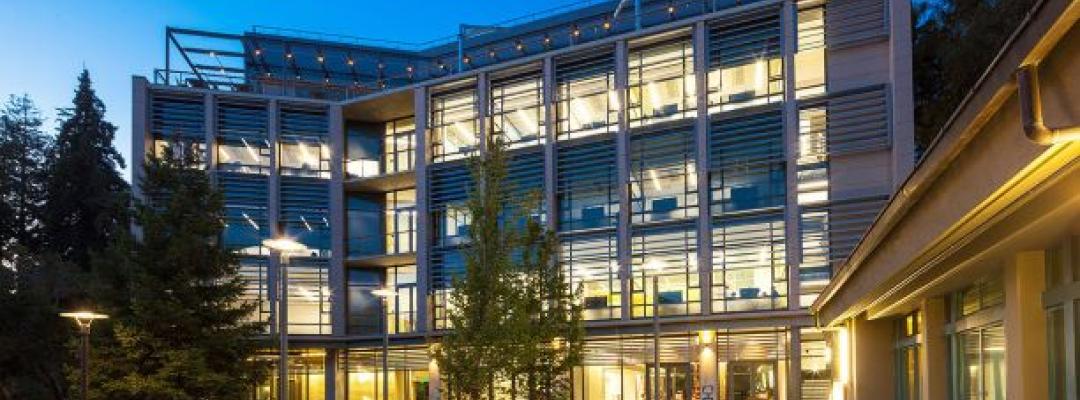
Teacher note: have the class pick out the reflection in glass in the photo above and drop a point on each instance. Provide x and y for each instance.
(453, 125)
(587, 103)
(301, 158)
(517, 112)
(810, 55)
(661, 83)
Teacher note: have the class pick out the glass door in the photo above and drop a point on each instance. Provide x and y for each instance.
(676, 381)
(752, 380)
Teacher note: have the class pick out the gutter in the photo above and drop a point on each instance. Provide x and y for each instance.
(1027, 81)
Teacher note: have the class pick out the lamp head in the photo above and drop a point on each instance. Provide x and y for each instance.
(84, 318)
(284, 245)
(384, 292)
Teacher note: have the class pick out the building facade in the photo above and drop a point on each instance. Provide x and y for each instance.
(707, 165)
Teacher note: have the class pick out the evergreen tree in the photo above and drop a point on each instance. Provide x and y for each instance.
(22, 174)
(86, 198)
(32, 335)
(514, 320)
(179, 329)
(954, 43)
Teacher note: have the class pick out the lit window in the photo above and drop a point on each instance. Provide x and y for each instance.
(810, 55)
(453, 125)
(745, 64)
(661, 83)
(300, 158)
(517, 113)
(813, 161)
(587, 103)
(398, 145)
(244, 156)
(400, 221)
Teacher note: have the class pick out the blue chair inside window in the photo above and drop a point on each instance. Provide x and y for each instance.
(592, 216)
(744, 197)
(664, 206)
(670, 297)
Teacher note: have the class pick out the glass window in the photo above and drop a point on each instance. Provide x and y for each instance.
(254, 275)
(586, 101)
(517, 112)
(979, 368)
(810, 54)
(816, 364)
(309, 297)
(907, 356)
(244, 156)
(406, 379)
(664, 272)
(661, 83)
(245, 229)
(1057, 354)
(663, 176)
(749, 271)
(364, 225)
(182, 148)
(398, 145)
(364, 308)
(815, 268)
(586, 186)
(401, 309)
(304, 158)
(454, 130)
(745, 64)
(592, 266)
(813, 162)
(746, 160)
(400, 221)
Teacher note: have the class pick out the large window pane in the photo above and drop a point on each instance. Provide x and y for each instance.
(517, 113)
(745, 67)
(309, 297)
(591, 265)
(400, 221)
(398, 145)
(749, 272)
(454, 131)
(586, 100)
(303, 158)
(663, 176)
(810, 55)
(244, 156)
(661, 83)
(666, 255)
(587, 191)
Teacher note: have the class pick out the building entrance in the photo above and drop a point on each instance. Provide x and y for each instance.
(676, 381)
(752, 380)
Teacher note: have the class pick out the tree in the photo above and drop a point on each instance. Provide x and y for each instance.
(22, 174)
(32, 335)
(513, 315)
(86, 198)
(954, 42)
(180, 328)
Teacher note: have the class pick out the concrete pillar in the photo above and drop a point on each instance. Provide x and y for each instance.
(872, 365)
(701, 163)
(142, 142)
(434, 381)
(210, 132)
(337, 220)
(273, 208)
(792, 254)
(548, 104)
(622, 166)
(794, 370)
(933, 351)
(331, 386)
(901, 91)
(423, 211)
(483, 109)
(706, 358)
(1025, 327)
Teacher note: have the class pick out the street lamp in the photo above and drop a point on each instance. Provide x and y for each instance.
(384, 295)
(285, 247)
(83, 319)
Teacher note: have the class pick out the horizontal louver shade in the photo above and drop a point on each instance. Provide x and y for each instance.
(587, 185)
(236, 120)
(858, 121)
(244, 190)
(303, 123)
(851, 22)
(745, 38)
(304, 197)
(178, 115)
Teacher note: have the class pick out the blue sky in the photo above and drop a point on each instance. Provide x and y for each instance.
(44, 43)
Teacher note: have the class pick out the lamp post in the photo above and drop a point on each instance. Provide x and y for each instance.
(83, 319)
(285, 247)
(384, 295)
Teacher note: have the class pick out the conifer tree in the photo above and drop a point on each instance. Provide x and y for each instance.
(22, 173)
(86, 198)
(180, 329)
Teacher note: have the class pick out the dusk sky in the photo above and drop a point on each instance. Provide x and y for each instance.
(45, 43)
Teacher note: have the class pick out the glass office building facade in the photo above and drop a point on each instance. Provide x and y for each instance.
(707, 169)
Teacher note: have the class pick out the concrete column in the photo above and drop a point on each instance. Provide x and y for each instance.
(210, 132)
(706, 358)
(337, 220)
(550, 198)
(872, 366)
(933, 351)
(483, 108)
(434, 381)
(1071, 264)
(794, 371)
(423, 211)
(1025, 327)
(273, 208)
(142, 142)
(901, 91)
(330, 380)
(788, 14)
(701, 166)
(622, 166)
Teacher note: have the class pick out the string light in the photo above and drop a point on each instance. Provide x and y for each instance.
(575, 31)
(547, 40)
(466, 59)
(671, 9)
(607, 24)
(258, 52)
(288, 55)
(520, 46)
(320, 58)
(491, 53)
(350, 61)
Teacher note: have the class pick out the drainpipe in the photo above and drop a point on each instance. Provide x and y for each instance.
(1027, 80)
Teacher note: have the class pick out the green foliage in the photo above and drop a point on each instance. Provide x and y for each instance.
(954, 43)
(513, 314)
(86, 198)
(22, 173)
(179, 329)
